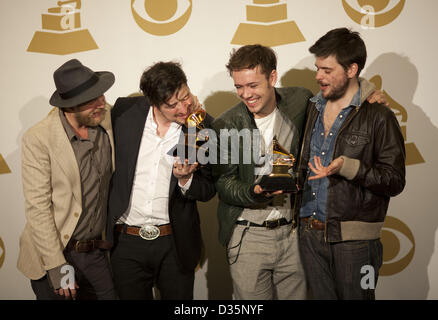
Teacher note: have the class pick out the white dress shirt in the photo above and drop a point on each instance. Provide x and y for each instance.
(149, 203)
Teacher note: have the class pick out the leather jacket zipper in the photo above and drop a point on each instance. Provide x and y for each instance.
(346, 122)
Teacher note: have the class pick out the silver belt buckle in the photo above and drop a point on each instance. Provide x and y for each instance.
(149, 232)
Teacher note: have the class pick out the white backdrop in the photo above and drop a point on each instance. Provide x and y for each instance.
(401, 53)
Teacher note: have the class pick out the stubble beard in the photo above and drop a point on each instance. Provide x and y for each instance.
(338, 91)
(88, 120)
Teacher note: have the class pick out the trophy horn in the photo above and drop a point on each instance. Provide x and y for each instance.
(196, 118)
(280, 178)
(277, 148)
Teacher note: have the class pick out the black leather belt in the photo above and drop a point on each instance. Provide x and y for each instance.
(269, 224)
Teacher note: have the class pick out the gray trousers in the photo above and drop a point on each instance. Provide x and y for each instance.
(266, 265)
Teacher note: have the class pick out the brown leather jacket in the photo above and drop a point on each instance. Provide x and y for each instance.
(371, 142)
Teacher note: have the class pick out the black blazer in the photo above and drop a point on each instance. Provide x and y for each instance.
(128, 120)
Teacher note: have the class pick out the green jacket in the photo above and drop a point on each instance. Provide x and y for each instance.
(235, 182)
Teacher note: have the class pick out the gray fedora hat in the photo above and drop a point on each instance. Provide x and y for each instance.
(76, 84)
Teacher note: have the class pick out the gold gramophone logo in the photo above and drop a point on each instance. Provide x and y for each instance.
(61, 31)
(2, 252)
(398, 246)
(161, 17)
(413, 155)
(267, 25)
(373, 13)
(4, 166)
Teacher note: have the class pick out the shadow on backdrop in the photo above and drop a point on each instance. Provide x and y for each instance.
(12, 195)
(409, 232)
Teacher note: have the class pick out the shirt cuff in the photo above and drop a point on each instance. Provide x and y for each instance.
(186, 187)
(349, 168)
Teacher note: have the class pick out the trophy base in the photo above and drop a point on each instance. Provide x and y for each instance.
(274, 183)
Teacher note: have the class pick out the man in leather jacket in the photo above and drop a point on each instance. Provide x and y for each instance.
(352, 162)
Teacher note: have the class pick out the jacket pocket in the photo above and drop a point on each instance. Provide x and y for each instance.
(354, 144)
(354, 139)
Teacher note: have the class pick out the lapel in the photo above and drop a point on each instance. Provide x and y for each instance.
(64, 155)
(106, 125)
(173, 180)
(286, 103)
(133, 122)
(289, 114)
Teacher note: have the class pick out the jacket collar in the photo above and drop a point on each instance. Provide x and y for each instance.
(365, 89)
(63, 153)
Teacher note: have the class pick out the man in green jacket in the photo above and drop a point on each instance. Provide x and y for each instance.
(256, 226)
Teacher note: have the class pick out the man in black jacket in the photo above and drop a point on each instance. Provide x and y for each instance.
(152, 215)
(352, 162)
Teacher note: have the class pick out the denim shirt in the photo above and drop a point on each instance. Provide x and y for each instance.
(315, 191)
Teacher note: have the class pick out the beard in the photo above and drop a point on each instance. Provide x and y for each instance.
(92, 119)
(338, 90)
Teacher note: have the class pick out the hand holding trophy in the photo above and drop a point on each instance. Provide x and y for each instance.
(280, 178)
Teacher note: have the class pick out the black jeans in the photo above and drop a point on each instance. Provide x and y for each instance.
(92, 274)
(139, 264)
(343, 270)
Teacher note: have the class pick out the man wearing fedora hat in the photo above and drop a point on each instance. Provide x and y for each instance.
(67, 162)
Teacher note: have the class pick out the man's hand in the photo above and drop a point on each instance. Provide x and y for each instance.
(183, 170)
(379, 97)
(258, 190)
(320, 171)
(67, 293)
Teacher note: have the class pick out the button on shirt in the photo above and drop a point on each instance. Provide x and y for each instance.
(150, 190)
(315, 191)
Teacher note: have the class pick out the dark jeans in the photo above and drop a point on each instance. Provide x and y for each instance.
(343, 270)
(139, 264)
(92, 274)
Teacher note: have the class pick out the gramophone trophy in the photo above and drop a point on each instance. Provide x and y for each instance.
(193, 140)
(280, 178)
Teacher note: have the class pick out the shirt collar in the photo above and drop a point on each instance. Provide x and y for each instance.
(71, 135)
(151, 124)
(67, 127)
(320, 101)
